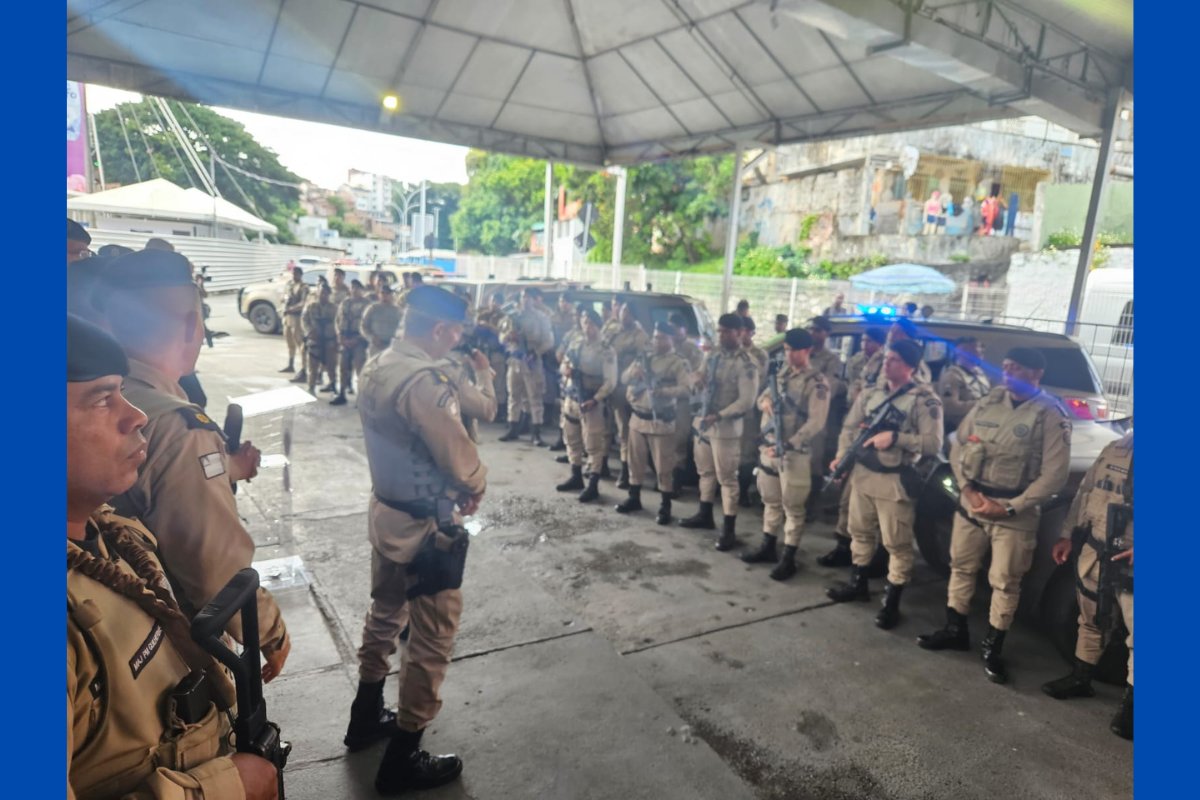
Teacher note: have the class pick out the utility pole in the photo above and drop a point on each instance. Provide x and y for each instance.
(547, 228)
(421, 241)
(96, 145)
(735, 207)
(618, 240)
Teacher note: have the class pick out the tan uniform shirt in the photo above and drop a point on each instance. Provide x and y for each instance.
(1023, 449)
(829, 364)
(183, 493)
(960, 389)
(733, 391)
(349, 317)
(670, 375)
(379, 324)
(806, 398)
(527, 332)
(920, 435)
(628, 344)
(317, 322)
(760, 358)
(294, 297)
(340, 294)
(691, 352)
(597, 364)
(476, 393)
(428, 409)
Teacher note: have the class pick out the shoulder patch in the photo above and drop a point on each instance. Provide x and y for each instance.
(212, 464)
(197, 419)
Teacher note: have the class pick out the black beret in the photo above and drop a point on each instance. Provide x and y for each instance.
(748, 324)
(113, 250)
(92, 353)
(386, 288)
(909, 351)
(665, 327)
(821, 323)
(590, 313)
(730, 321)
(148, 269)
(1028, 357)
(781, 317)
(355, 283)
(906, 325)
(437, 303)
(76, 232)
(798, 339)
(878, 335)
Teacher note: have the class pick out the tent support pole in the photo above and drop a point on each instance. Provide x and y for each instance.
(618, 237)
(735, 207)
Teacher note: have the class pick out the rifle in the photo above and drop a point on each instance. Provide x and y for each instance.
(646, 384)
(885, 417)
(253, 732)
(710, 393)
(233, 431)
(775, 426)
(575, 389)
(1113, 578)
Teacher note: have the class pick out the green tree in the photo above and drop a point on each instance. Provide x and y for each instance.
(157, 153)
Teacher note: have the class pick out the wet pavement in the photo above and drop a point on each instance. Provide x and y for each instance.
(604, 656)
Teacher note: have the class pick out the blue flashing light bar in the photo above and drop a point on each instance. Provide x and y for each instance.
(877, 311)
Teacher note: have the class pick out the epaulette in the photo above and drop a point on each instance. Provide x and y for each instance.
(195, 418)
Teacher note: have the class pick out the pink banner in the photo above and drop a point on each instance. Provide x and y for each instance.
(77, 140)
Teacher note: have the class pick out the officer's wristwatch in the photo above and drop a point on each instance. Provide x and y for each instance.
(1008, 509)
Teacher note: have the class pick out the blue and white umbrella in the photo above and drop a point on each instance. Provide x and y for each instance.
(903, 279)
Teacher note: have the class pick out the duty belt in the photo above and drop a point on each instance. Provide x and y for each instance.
(774, 473)
(1003, 494)
(417, 509)
(662, 416)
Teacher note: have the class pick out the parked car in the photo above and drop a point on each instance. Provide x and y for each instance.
(1048, 591)
(262, 303)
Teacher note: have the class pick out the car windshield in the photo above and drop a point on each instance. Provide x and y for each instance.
(1068, 368)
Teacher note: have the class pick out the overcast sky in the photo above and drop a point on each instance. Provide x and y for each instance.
(325, 153)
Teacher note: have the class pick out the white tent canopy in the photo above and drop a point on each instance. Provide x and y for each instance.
(161, 199)
(618, 81)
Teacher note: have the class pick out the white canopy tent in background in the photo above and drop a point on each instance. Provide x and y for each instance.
(161, 199)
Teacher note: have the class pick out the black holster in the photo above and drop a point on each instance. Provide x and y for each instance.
(442, 559)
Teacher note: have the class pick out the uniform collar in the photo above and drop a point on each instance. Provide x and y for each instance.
(407, 348)
(141, 372)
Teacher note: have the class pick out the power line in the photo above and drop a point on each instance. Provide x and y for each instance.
(145, 140)
(212, 151)
(171, 141)
(128, 147)
(258, 177)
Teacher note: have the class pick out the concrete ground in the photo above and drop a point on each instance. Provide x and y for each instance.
(607, 657)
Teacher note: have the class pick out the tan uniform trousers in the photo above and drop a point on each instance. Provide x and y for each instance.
(784, 493)
(500, 382)
(352, 360)
(717, 463)
(585, 436)
(659, 447)
(818, 458)
(621, 414)
(872, 517)
(1012, 554)
(294, 336)
(1090, 644)
(323, 356)
(843, 522)
(683, 430)
(433, 623)
(526, 389)
(751, 430)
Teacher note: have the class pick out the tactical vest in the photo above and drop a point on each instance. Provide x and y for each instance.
(383, 320)
(318, 318)
(124, 744)
(589, 359)
(906, 403)
(972, 381)
(794, 389)
(729, 370)
(1113, 483)
(1005, 449)
(664, 370)
(296, 292)
(402, 468)
(352, 316)
(628, 344)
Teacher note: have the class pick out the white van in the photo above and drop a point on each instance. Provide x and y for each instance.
(1106, 330)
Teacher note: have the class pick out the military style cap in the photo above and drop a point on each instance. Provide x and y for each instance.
(591, 314)
(91, 352)
(386, 288)
(731, 321)
(821, 323)
(148, 269)
(1028, 357)
(355, 283)
(665, 327)
(437, 303)
(878, 335)
(909, 351)
(77, 233)
(798, 339)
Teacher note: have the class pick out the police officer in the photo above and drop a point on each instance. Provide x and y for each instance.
(184, 490)
(962, 383)
(1011, 453)
(729, 381)
(526, 335)
(590, 371)
(829, 364)
(320, 338)
(380, 321)
(1109, 481)
(491, 317)
(128, 642)
(902, 329)
(473, 377)
(79, 242)
(423, 464)
(783, 480)
(353, 355)
(629, 341)
(880, 503)
(752, 424)
(691, 353)
(340, 290)
(293, 306)
(656, 382)
(781, 323)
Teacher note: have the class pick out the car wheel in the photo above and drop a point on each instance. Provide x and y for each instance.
(263, 317)
(933, 537)
(1060, 618)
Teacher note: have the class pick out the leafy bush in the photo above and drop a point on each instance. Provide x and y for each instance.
(960, 258)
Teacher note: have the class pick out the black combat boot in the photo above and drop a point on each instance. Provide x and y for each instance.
(786, 567)
(745, 479)
(560, 446)
(1122, 722)
(301, 376)
(623, 479)
(535, 438)
(702, 518)
(766, 552)
(340, 400)
(1076, 683)
(954, 636)
(878, 568)
(839, 556)
(605, 472)
(369, 720)
(633, 502)
(664, 510)
(523, 423)
(288, 368)
(993, 662)
(855, 589)
(514, 429)
(574, 482)
(406, 766)
(592, 491)
(889, 615)
(329, 388)
(728, 539)
(563, 459)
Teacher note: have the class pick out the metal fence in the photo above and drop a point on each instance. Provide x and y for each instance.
(231, 264)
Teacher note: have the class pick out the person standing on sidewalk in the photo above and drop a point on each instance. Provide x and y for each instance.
(293, 306)
(353, 347)
(589, 368)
